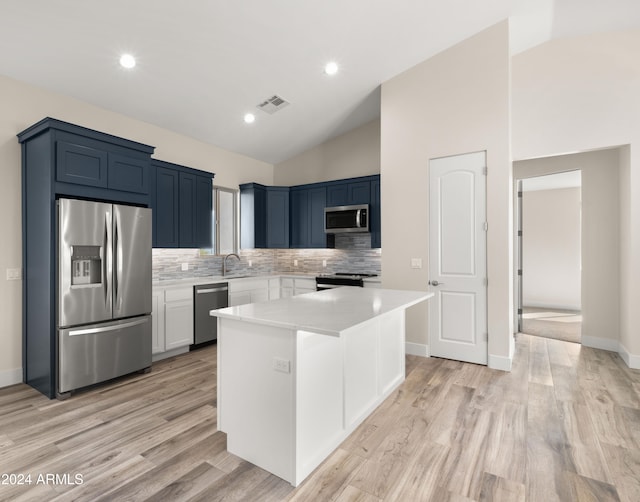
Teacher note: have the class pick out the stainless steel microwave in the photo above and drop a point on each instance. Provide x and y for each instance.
(341, 219)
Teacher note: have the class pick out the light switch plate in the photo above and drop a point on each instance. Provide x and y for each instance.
(416, 262)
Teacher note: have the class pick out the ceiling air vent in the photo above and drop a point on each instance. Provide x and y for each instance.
(273, 104)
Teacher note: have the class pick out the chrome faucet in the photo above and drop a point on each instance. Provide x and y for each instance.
(224, 262)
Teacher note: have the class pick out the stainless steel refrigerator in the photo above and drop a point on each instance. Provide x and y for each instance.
(103, 292)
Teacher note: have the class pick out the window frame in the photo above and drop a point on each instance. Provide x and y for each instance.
(215, 250)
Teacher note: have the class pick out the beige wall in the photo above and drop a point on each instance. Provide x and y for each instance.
(456, 102)
(355, 153)
(600, 240)
(551, 248)
(22, 105)
(581, 94)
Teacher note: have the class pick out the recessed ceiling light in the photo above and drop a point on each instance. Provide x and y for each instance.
(127, 61)
(249, 118)
(331, 68)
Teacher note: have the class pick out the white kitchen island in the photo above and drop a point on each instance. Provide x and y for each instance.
(297, 375)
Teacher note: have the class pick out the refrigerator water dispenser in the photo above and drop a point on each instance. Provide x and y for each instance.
(86, 265)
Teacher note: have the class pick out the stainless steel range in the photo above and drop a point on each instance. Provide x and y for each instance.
(329, 281)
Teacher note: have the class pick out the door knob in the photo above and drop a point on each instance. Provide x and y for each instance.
(435, 283)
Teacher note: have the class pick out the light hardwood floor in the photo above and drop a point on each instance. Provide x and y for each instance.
(563, 425)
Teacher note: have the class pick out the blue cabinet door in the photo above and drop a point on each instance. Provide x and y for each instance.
(337, 194)
(81, 164)
(299, 217)
(359, 192)
(277, 217)
(128, 173)
(166, 209)
(187, 210)
(349, 193)
(307, 217)
(204, 215)
(315, 221)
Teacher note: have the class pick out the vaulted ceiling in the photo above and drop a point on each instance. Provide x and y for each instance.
(203, 64)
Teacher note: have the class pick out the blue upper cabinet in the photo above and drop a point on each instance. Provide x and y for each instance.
(127, 173)
(166, 209)
(182, 206)
(307, 217)
(281, 217)
(91, 164)
(204, 214)
(264, 216)
(299, 218)
(336, 194)
(277, 217)
(348, 192)
(80, 164)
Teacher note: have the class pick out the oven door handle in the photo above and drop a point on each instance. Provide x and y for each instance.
(320, 286)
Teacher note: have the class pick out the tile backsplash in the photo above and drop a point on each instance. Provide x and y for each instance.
(352, 254)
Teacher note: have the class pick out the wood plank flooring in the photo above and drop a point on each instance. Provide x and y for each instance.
(563, 425)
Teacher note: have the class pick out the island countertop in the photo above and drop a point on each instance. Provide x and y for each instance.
(328, 312)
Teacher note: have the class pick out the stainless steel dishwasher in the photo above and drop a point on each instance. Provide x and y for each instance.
(208, 297)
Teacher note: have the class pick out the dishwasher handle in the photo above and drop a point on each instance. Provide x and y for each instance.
(212, 290)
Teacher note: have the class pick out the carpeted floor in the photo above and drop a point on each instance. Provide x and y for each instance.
(551, 323)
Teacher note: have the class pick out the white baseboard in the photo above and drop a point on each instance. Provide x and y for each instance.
(631, 360)
(10, 377)
(170, 353)
(600, 343)
(500, 362)
(416, 349)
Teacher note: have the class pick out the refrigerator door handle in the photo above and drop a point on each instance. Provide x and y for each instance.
(106, 329)
(107, 257)
(117, 262)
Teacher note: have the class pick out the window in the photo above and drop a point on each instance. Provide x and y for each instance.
(225, 221)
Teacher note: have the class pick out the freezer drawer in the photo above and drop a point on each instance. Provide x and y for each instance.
(94, 353)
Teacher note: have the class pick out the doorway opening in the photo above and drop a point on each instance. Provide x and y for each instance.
(549, 257)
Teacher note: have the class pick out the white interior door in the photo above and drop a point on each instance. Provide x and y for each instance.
(458, 257)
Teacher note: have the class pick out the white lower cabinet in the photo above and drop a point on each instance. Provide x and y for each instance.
(178, 324)
(157, 321)
(172, 320)
(302, 285)
(243, 291)
(172, 315)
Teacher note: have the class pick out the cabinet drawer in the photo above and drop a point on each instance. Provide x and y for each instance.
(305, 284)
(248, 285)
(178, 294)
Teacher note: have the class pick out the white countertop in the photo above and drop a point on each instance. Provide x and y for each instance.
(328, 312)
(195, 281)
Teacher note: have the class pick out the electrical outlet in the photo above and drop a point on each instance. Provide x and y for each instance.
(250, 263)
(324, 263)
(295, 263)
(281, 365)
(185, 267)
(14, 274)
